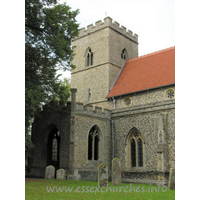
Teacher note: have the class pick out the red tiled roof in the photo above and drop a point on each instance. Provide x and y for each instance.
(146, 72)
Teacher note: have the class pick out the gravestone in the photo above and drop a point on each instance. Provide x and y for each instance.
(61, 174)
(116, 171)
(171, 184)
(50, 172)
(102, 175)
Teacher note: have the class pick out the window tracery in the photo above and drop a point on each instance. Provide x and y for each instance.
(134, 149)
(170, 93)
(89, 57)
(93, 144)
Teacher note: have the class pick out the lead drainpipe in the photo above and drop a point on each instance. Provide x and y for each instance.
(112, 123)
(114, 102)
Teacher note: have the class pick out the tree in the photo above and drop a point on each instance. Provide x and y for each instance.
(63, 92)
(49, 30)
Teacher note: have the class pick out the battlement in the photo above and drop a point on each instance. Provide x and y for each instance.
(94, 112)
(108, 23)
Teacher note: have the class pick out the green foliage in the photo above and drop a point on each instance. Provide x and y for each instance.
(63, 92)
(49, 30)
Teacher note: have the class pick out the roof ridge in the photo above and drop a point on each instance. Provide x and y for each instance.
(150, 54)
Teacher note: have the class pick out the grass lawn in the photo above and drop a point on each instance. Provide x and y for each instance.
(60, 189)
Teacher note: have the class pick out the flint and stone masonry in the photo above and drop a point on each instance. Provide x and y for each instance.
(106, 40)
(78, 137)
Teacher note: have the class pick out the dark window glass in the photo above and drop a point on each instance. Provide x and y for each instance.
(90, 139)
(88, 59)
(133, 152)
(91, 58)
(96, 147)
(140, 153)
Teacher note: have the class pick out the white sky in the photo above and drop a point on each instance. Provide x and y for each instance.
(152, 20)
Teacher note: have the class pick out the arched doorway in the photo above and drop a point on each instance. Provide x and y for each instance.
(53, 146)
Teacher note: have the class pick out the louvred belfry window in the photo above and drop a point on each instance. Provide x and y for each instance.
(124, 54)
(89, 57)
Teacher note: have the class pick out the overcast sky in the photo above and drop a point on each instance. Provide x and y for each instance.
(152, 20)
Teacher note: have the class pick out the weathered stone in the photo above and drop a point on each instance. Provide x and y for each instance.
(116, 171)
(171, 184)
(50, 172)
(61, 174)
(102, 175)
(107, 43)
(151, 113)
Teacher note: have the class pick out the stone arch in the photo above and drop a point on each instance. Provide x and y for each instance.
(135, 148)
(124, 54)
(94, 143)
(89, 57)
(53, 146)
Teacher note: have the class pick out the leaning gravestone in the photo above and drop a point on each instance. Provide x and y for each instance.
(116, 171)
(171, 184)
(102, 175)
(61, 174)
(50, 172)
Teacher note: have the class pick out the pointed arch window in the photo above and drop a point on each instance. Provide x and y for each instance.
(94, 147)
(89, 57)
(124, 54)
(135, 149)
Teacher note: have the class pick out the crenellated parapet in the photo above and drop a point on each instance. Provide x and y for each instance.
(89, 110)
(108, 23)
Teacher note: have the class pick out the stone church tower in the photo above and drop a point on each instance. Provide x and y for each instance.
(121, 106)
(100, 52)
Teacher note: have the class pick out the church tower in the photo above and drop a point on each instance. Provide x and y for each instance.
(100, 52)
